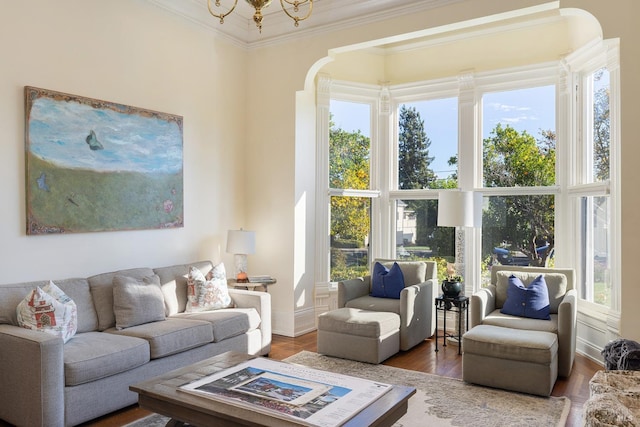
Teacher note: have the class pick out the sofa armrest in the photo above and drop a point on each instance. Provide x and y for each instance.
(417, 313)
(353, 288)
(567, 330)
(482, 303)
(32, 377)
(261, 301)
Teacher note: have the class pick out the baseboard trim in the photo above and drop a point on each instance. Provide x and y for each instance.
(303, 322)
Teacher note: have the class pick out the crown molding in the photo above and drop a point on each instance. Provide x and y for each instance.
(328, 15)
(538, 19)
(196, 12)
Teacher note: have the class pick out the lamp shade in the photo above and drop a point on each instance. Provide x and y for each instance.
(241, 242)
(459, 209)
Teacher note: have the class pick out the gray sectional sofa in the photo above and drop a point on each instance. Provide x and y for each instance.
(44, 382)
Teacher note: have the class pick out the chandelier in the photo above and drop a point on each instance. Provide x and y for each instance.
(258, 5)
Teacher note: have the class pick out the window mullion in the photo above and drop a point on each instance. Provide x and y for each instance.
(382, 216)
(469, 174)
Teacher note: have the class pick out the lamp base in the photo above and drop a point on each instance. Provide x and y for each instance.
(240, 261)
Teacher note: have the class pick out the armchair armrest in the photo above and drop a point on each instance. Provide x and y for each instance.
(32, 377)
(261, 301)
(417, 313)
(482, 303)
(567, 331)
(353, 288)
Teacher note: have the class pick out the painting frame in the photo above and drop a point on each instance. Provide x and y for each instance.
(94, 165)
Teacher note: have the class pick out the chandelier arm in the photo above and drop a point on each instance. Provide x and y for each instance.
(221, 16)
(295, 4)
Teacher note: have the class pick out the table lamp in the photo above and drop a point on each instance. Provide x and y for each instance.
(459, 209)
(241, 243)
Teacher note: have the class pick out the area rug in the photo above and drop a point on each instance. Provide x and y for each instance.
(440, 401)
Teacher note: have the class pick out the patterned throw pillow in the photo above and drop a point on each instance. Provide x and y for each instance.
(49, 310)
(208, 292)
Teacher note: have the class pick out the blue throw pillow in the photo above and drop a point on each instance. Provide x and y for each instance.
(532, 301)
(387, 283)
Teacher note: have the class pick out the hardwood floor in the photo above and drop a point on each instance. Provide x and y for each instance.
(421, 358)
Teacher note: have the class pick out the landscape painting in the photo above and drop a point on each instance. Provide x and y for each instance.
(93, 165)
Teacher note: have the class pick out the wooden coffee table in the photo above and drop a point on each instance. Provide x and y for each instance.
(161, 395)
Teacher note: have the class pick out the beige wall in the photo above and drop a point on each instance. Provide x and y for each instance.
(132, 53)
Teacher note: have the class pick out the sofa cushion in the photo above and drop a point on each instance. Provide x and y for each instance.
(375, 304)
(531, 301)
(363, 323)
(227, 323)
(387, 282)
(93, 355)
(207, 292)
(173, 281)
(506, 343)
(496, 318)
(102, 292)
(556, 285)
(170, 336)
(76, 289)
(136, 301)
(49, 310)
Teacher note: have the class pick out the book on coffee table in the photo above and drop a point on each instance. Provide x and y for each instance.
(309, 396)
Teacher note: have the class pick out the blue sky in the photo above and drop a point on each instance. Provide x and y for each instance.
(531, 109)
(58, 132)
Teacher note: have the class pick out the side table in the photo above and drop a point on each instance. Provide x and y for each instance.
(459, 304)
(262, 282)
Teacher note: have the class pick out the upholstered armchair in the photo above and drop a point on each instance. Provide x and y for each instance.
(487, 302)
(415, 306)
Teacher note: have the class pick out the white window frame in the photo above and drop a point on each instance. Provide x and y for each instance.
(578, 66)
(350, 92)
(469, 88)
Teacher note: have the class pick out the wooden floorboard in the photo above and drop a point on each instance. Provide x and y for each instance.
(421, 358)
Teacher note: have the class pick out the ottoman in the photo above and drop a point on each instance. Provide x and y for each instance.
(511, 359)
(366, 336)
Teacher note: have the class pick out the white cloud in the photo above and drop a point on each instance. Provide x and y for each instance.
(506, 107)
(518, 119)
(512, 113)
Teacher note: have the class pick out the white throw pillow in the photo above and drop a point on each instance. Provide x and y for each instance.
(49, 310)
(208, 292)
